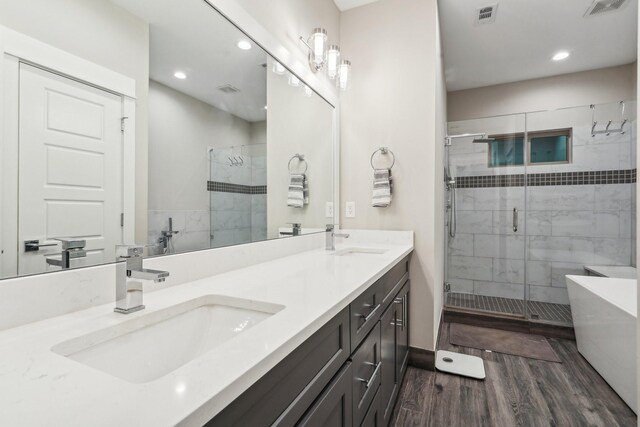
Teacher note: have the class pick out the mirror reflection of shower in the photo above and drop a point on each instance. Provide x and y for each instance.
(450, 180)
(166, 239)
(238, 199)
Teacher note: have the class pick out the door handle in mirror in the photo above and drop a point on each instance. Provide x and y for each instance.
(35, 245)
(515, 220)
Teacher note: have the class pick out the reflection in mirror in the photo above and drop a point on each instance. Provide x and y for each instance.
(218, 144)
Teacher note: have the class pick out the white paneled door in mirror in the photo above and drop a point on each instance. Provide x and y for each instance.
(70, 174)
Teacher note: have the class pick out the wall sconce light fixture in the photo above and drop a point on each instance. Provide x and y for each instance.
(344, 75)
(327, 57)
(294, 80)
(278, 68)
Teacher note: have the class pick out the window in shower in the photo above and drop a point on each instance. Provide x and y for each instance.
(506, 150)
(544, 147)
(550, 146)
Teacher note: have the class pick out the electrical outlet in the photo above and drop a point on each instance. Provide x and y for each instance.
(328, 209)
(350, 210)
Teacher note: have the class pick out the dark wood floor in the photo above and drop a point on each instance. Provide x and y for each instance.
(516, 392)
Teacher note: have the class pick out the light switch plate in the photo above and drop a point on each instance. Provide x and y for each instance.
(328, 210)
(350, 210)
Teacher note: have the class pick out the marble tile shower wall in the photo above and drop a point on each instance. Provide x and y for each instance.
(567, 226)
(192, 228)
(237, 217)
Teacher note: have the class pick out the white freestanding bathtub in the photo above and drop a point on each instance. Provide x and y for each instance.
(604, 314)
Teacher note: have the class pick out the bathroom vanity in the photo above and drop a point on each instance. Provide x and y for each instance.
(307, 338)
(210, 330)
(346, 374)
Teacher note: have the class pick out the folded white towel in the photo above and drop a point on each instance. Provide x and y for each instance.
(382, 188)
(295, 195)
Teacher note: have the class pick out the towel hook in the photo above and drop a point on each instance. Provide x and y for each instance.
(383, 150)
(301, 159)
(607, 131)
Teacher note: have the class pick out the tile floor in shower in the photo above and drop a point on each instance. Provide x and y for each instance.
(546, 312)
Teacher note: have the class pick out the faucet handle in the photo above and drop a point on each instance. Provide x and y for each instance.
(68, 244)
(129, 251)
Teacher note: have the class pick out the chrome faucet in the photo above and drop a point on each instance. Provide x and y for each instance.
(295, 229)
(71, 249)
(330, 237)
(166, 236)
(129, 290)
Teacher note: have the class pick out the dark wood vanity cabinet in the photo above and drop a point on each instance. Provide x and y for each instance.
(373, 417)
(402, 329)
(347, 374)
(395, 351)
(367, 366)
(334, 406)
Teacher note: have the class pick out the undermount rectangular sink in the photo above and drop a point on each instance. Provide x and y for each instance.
(153, 345)
(360, 251)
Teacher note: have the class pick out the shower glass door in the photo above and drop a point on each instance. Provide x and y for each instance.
(485, 179)
(581, 200)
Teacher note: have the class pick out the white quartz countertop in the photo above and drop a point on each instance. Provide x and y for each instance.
(40, 387)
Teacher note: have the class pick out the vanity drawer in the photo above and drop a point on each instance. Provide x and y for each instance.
(367, 365)
(374, 417)
(393, 280)
(367, 308)
(333, 407)
(285, 393)
(365, 313)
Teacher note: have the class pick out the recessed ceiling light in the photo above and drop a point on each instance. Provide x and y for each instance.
(560, 55)
(179, 75)
(265, 107)
(244, 45)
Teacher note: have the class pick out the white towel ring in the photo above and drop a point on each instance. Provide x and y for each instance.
(301, 159)
(384, 150)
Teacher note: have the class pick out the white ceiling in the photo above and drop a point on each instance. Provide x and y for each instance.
(197, 40)
(526, 34)
(350, 4)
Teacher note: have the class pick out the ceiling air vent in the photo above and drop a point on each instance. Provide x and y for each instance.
(601, 6)
(228, 89)
(487, 14)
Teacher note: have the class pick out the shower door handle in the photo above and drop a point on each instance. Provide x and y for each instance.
(515, 220)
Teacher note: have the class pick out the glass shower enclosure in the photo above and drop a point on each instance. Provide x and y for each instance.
(533, 197)
(238, 194)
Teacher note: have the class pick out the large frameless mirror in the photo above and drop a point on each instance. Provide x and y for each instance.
(217, 143)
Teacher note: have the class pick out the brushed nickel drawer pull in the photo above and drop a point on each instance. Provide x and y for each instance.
(398, 322)
(405, 303)
(401, 322)
(370, 315)
(373, 375)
